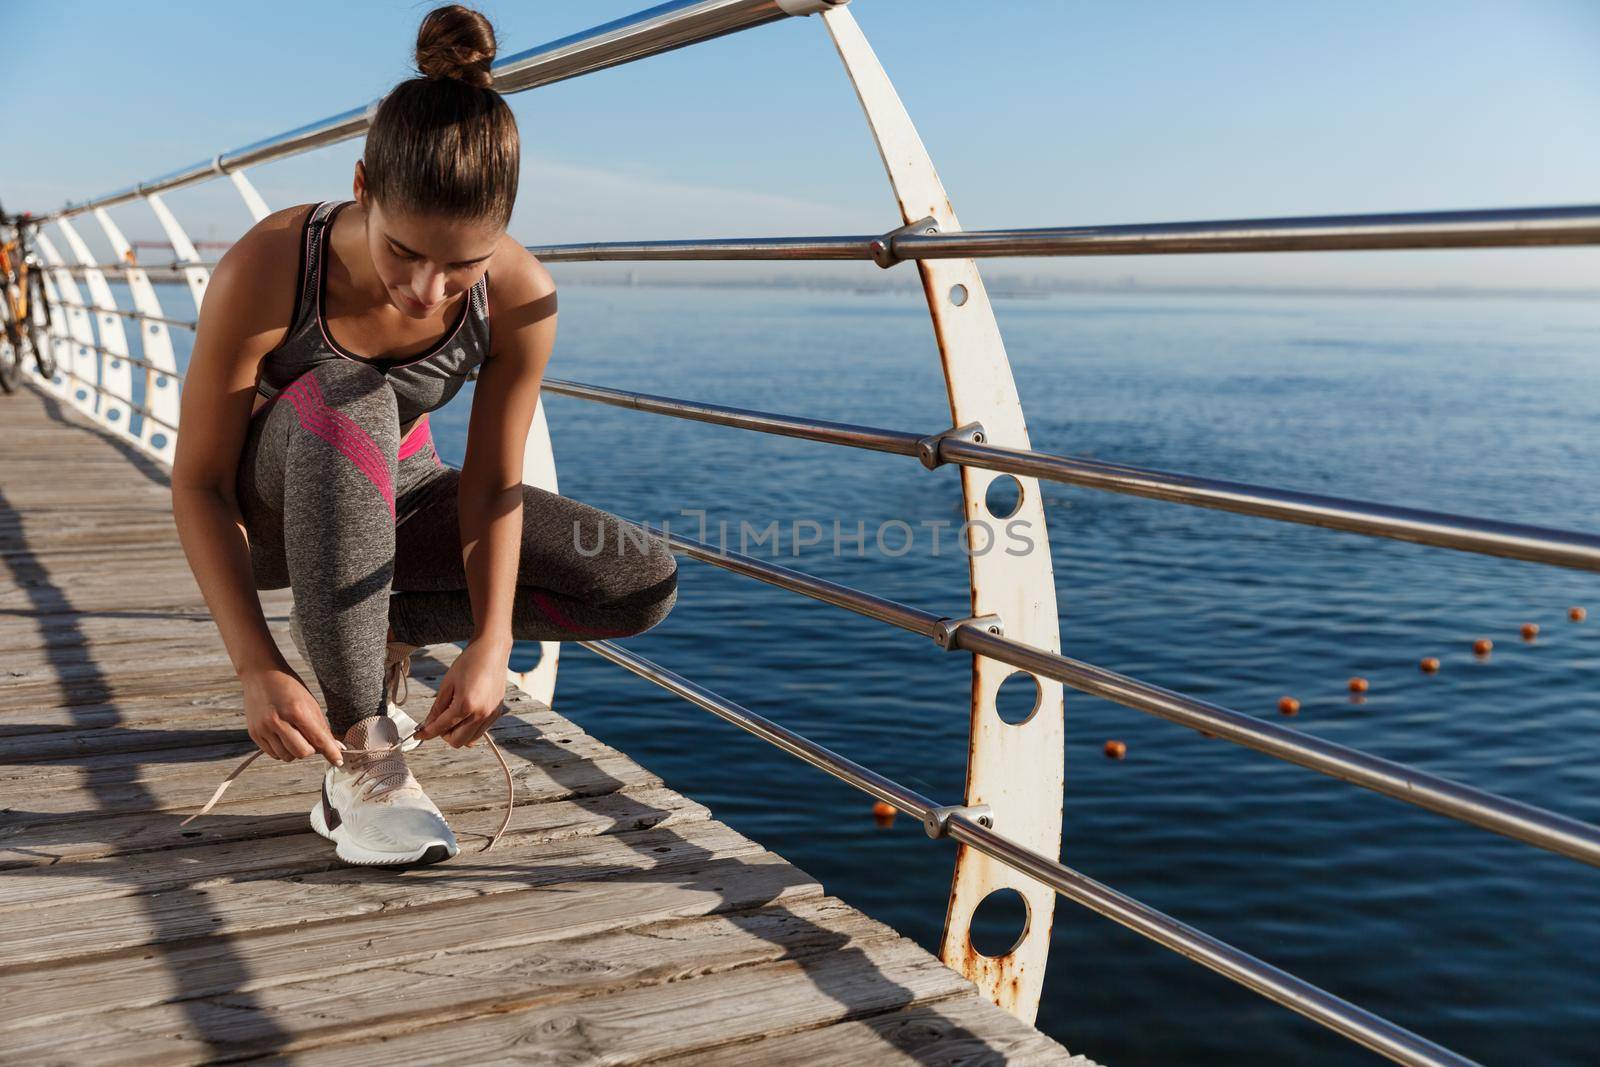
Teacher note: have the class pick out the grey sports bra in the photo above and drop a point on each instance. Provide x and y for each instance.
(424, 382)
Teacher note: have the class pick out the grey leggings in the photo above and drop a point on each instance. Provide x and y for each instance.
(364, 528)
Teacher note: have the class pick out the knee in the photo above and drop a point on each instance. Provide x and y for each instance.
(643, 584)
(663, 590)
(354, 390)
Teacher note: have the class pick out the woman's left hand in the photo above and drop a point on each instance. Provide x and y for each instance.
(471, 697)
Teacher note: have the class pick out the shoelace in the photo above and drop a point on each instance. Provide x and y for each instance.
(401, 684)
(374, 758)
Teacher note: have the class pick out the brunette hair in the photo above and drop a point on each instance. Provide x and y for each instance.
(446, 143)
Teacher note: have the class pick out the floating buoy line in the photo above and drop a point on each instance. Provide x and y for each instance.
(1358, 686)
(884, 814)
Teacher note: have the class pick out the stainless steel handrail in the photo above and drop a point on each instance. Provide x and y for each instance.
(1275, 984)
(1512, 818)
(135, 360)
(659, 29)
(1497, 228)
(173, 266)
(138, 315)
(1490, 537)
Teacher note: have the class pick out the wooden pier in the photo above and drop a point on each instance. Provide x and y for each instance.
(617, 921)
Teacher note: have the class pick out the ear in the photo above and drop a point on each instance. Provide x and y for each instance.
(358, 186)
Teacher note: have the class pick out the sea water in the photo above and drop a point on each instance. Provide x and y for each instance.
(1480, 406)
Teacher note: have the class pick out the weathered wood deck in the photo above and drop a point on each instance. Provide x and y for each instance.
(616, 922)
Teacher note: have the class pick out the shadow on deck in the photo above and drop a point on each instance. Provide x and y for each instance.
(616, 921)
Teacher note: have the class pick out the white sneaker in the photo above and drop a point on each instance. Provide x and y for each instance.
(396, 675)
(373, 810)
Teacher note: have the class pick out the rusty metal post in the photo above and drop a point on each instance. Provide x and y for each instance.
(1014, 769)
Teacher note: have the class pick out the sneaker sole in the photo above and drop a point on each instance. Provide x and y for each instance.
(433, 852)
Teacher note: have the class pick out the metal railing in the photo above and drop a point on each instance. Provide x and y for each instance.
(972, 447)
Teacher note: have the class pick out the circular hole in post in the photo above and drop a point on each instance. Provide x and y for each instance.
(82, 394)
(158, 440)
(1017, 699)
(116, 363)
(999, 923)
(58, 379)
(1003, 496)
(154, 328)
(82, 351)
(958, 295)
(114, 414)
(161, 381)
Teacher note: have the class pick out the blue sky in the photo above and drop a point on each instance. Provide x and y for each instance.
(1037, 112)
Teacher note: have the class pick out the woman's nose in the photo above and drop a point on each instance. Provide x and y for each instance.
(428, 287)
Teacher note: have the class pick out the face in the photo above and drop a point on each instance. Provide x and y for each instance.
(423, 260)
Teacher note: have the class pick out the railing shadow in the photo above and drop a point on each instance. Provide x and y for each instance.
(254, 1030)
(808, 944)
(28, 572)
(67, 415)
(860, 990)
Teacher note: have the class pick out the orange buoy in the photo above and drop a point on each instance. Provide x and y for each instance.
(1577, 614)
(1429, 664)
(883, 813)
(1530, 630)
(1289, 705)
(1358, 685)
(1482, 646)
(1116, 749)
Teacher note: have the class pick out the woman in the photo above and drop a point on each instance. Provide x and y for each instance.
(328, 333)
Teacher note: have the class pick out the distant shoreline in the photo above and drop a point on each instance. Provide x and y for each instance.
(1012, 287)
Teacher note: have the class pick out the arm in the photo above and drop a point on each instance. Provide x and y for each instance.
(243, 317)
(490, 492)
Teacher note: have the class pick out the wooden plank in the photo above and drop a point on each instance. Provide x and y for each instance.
(208, 967)
(675, 1018)
(128, 757)
(179, 797)
(370, 1003)
(167, 728)
(463, 790)
(303, 851)
(224, 909)
(53, 735)
(958, 1032)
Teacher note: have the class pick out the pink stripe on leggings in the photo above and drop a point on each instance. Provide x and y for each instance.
(348, 437)
(560, 619)
(414, 441)
(342, 432)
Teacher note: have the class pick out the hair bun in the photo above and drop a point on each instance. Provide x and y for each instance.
(456, 42)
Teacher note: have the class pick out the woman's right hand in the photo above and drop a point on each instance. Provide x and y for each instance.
(284, 719)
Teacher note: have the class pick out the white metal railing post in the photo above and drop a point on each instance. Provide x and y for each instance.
(539, 471)
(161, 397)
(116, 373)
(252, 199)
(81, 360)
(1016, 769)
(183, 250)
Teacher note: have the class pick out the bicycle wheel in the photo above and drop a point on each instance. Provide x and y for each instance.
(10, 357)
(44, 352)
